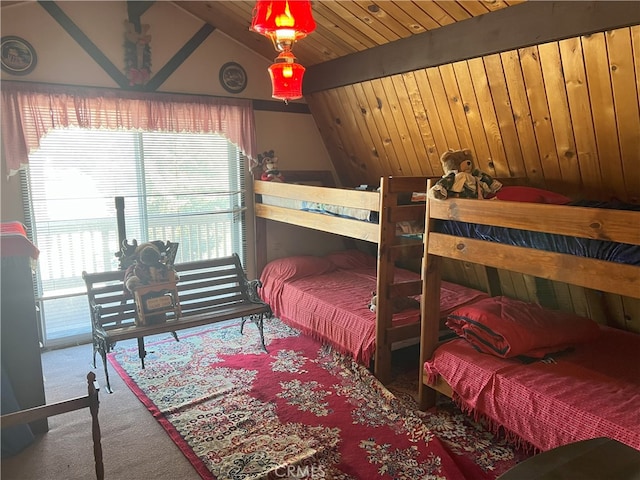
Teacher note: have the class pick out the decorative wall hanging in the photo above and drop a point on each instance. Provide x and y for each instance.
(137, 53)
(18, 56)
(233, 78)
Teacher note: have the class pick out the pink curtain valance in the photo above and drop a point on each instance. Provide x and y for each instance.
(30, 110)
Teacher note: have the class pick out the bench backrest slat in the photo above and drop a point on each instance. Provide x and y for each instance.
(204, 286)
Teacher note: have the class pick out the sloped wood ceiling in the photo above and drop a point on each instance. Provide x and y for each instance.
(563, 113)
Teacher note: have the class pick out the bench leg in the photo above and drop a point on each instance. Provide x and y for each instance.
(259, 321)
(141, 351)
(102, 349)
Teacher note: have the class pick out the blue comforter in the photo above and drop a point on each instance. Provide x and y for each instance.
(584, 247)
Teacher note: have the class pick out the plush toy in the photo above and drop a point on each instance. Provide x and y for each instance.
(148, 268)
(461, 180)
(269, 163)
(400, 304)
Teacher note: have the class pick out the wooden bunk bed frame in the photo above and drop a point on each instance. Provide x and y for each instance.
(604, 224)
(388, 202)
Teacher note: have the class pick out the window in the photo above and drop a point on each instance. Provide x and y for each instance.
(187, 188)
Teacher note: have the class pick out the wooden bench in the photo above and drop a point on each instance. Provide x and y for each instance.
(209, 291)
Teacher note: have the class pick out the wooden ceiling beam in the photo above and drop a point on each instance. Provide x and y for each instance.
(523, 25)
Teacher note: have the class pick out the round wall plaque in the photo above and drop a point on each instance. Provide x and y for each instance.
(233, 78)
(18, 56)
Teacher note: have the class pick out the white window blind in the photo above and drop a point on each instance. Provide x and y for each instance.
(187, 188)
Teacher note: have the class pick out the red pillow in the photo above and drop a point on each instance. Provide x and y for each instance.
(301, 266)
(348, 259)
(530, 195)
(506, 328)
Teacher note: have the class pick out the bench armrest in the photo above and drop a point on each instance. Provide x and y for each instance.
(252, 290)
(96, 315)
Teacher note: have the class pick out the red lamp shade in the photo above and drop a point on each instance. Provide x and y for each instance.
(286, 77)
(284, 21)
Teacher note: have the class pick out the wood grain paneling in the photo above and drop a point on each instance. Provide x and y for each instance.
(564, 114)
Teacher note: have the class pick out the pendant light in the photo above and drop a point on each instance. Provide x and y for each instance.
(284, 22)
(286, 77)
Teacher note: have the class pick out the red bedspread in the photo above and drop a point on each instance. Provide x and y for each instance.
(592, 391)
(333, 306)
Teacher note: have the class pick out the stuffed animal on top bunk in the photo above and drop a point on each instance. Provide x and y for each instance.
(148, 268)
(269, 162)
(461, 179)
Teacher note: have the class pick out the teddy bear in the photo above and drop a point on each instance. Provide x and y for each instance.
(400, 304)
(269, 163)
(461, 179)
(148, 268)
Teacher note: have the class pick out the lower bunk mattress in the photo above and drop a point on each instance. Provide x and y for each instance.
(591, 391)
(328, 298)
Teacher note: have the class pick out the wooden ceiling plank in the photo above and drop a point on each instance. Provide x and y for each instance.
(521, 114)
(325, 16)
(393, 17)
(368, 23)
(419, 16)
(558, 103)
(504, 114)
(627, 100)
(416, 147)
(366, 110)
(399, 132)
(493, 5)
(499, 164)
(475, 8)
(456, 107)
(581, 115)
(540, 116)
(366, 150)
(433, 120)
(603, 109)
(454, 10)
(430, 166)
(523, 25)
(380, 115)
(469, 104)
(436, 12)
(345, 127)
(444, 112)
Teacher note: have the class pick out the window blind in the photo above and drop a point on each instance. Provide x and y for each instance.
(183, 187)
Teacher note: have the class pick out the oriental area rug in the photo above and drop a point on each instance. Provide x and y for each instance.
(299, 411)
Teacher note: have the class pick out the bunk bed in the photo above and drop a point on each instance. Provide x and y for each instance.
(543, 377)
(387, 208)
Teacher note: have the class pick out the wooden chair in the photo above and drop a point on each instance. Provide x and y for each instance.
(44, 411)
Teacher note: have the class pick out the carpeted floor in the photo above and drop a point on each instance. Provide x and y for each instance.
(301, 409)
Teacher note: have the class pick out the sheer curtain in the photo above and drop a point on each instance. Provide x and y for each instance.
(29, 111)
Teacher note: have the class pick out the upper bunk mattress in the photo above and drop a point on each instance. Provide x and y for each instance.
(591, 391)
(584, 247)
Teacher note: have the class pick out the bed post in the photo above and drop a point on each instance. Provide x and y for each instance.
(429, 310)
(384, 311)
